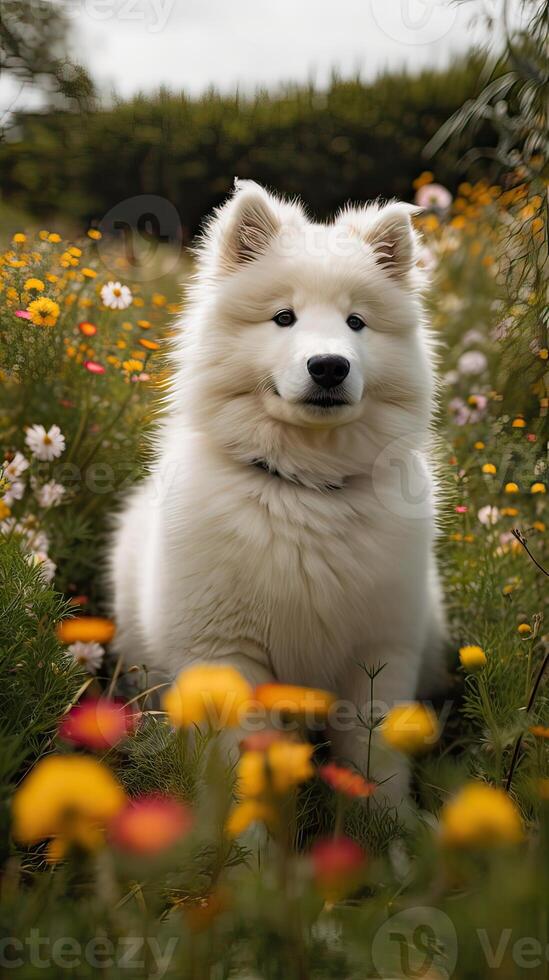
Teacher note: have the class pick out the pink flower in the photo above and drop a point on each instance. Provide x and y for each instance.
(94, 367)
(97, 723)
(23, 314)
(433, 196)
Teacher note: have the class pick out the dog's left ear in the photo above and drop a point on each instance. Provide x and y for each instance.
(389, 231)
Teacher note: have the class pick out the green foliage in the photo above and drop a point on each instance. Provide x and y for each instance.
(37, 680)
(356, 140)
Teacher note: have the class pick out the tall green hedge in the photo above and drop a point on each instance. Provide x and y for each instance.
(352, 140)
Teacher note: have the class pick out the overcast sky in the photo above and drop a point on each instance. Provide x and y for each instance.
(132, 45)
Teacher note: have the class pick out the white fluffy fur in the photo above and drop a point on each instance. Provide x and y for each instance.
(285, 578)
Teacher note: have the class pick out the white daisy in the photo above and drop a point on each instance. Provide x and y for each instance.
(88, 655)
(12, 490)
(116, 296)
(45, 445)
(13, 468)
(50, 494)
(46, 565)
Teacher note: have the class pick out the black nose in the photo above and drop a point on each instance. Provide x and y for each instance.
(328, 370)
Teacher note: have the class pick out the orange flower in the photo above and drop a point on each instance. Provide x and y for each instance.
(540, 731)
(150, 825)
(88, 329)
(97, 724)
(345, 781)
(87, 629)
(149, 344)
(291, 699)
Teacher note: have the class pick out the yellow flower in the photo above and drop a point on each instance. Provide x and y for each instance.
(410, 727)
(73, 250)
(524, 629)
(158, 299)
(132, 365)
(54, 237)
(35, 284)
(43, 235)
(511, 488)
(19, 238)
(479, 445)
(480, 815)
(509, 512)
(44, 312)
(489, 468)
(289, 764)
(4, 511)
(539, 526)
(472, 657)
(246, 813)
(94, 234)
(89, 273)
(70, 798)
(537, 488)
(518, 424)
(218, 695)
(543, 353)
(51, 277)
(144, 324)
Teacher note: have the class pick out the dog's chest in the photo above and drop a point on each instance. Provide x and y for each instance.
(310, 569)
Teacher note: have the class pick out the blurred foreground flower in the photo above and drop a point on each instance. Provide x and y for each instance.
(338, 865)
(97, 723)
(345, 781)
(208, 693)
(69, 798)
(150, 824)
(472, 657)
(480, 815)
(295, 700)
(263, 777)
(86, 629)
(410, 727)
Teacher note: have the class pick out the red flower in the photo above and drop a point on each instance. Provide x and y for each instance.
(337, 865)
(97, 723)
(345, 781)
(150, 824)
(94, 367)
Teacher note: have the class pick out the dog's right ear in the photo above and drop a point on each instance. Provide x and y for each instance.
(243, 229)
(252, 224)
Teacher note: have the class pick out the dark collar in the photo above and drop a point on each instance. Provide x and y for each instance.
(263, 464)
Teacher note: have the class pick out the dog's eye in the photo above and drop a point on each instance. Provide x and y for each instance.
(355, 322)
(285, 318)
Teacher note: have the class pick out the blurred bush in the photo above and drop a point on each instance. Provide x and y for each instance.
(353, 140)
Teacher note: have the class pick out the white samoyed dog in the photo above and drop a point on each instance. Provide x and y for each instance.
(288, 522)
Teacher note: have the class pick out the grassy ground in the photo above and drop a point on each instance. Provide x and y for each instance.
(467, 883)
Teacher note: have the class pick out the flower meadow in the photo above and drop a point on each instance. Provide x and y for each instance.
(132, 845)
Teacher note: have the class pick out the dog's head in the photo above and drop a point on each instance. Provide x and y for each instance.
(306, 335)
